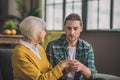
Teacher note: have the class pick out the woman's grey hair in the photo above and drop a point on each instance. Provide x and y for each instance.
(31, 26)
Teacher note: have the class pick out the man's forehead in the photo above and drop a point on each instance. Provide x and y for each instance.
(73, 22)
(72, 26)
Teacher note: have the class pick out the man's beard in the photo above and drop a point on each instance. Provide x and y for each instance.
(69, 38)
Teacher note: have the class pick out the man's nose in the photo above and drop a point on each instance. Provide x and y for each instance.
(72, 31)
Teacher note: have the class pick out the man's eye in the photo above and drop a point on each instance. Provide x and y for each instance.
(75, 28)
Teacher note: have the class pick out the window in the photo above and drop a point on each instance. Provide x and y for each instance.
(57, 10)
(96, 14)
(73, 6)
(116, 15)
(54, 14)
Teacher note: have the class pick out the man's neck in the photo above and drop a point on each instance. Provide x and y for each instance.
(72, 44)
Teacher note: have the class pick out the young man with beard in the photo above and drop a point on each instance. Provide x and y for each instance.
(71, 47)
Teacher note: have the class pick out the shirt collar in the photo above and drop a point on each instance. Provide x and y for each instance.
(28, 45)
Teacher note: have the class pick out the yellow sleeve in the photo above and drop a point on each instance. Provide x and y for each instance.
(54, 74)
(24, 69)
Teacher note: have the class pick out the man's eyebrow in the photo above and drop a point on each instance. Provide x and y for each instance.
(75, 27)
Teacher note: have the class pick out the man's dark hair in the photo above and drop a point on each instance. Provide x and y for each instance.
(73, 17)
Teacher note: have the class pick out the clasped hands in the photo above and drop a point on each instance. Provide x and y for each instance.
(71, 66)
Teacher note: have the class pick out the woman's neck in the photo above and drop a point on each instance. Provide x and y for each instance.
(31, 42)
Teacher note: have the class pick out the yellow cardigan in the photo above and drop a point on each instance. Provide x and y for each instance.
(27, 66)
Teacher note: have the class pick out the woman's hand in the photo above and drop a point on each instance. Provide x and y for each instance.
(65, 64)
(75, 66)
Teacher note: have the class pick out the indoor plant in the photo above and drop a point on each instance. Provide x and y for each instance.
(9, 27)
(21, 7)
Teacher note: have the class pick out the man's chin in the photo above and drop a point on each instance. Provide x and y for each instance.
(72, 40)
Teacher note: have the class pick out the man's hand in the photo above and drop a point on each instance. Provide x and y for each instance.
(77, 66)
(68, 70)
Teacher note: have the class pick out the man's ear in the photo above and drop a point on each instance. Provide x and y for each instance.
(81, 28)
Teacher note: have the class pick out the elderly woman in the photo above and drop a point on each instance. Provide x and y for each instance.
(29, 59)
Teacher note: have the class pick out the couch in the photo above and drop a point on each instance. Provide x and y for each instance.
(6, 68)
(105, 45)
(7, 74)
(5, 64)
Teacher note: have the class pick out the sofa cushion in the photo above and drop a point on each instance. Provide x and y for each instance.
(5, 64)
(100, 76)
(51, 35)
(0, 74)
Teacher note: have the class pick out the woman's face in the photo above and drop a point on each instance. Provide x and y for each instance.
(41, 35)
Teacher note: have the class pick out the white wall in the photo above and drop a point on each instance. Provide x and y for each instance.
(12, 8)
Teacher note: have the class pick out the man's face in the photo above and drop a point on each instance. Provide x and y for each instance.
(72, 30)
